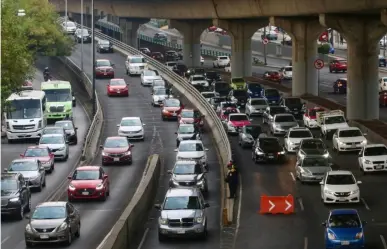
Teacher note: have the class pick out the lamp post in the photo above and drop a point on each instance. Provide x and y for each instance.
(66, 12)
(384, 46)
(264, 45)
(82, 35)
(93, 56)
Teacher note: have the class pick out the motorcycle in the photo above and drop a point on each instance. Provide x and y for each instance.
(47, 76)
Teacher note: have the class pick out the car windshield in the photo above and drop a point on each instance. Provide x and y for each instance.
(52, 140)
(24, 109)
(271, 93)
(239, 93)
(181, 202)
(340, 179)
(8, 184)
(158, 82)
(171, 64)
(255, 87)
(51, 212)
(84, 32)
(160, 91)
(375, 151)
(86, 175)
(198, 78)
(104, 42)
(186, 129)
(293, 101)
(137, 60)
(284, 118)
(334, 120)
(130, 122)
(58, 130)
(315, 162)
(300, 134)
(58, 95)
(208, 95)
(189, 147)
(277, 110)
(268, 143)
(36, 152)
(150, 73)
(70, 24)
(172, 103)
(116, 143)
(258, 102)
(313, 144)
(221, 86)
(187, 114)
(103, 63)
(344, 221)
(350, 133)
(23, 166)
(288, 69)
(187, 169)
(240, 117)
(119, 82)
(65, 125)
(254, 130)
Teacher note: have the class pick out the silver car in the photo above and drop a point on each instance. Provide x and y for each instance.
(188, 173)
(256, 106)
(158, 95)
(312, 168)
(148, 76)
(282, 123)
(270, 112)
(32, 170)
(53, 222)
(182, 214)
(58, 145)
(187, 132)
(192, 150)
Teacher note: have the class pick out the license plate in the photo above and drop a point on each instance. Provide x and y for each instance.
(44, 236)
(116, 159)
(104, 73)
(342, 199)
(85, 193)
(174, 114)
(273, 101)
(180, 231)
(379, 167)
(271, 156)
(353, 145)
(344, 243)
(118, 91)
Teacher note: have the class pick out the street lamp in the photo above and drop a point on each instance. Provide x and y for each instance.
(82, 35)
(93, 56)
(66, 12)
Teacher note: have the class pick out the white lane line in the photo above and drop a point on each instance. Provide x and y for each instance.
(239, 210)
(8, 237)
(301, 204)
(305, 242)
(292, 175)
(143, 238)
(383, 241)
(365, 204)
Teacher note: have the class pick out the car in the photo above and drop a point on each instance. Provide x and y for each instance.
(348, 139)
(183, 213)
(15, 195)
(270, 35)
(192, 150)
(198, 80)
(226, 104)
(70, 130)
(344, 229)
(383, 84)
(340, 86)
(58, 145)
(338, 66)
(294, 136)
(294, 106)
(256, 106)
(312, 147)
(312, 168)
(383, 98)
(157, 56)
(382, 61)
(187, 132)
(160, 37)
(148, 76)
(159, 94)
(48, 130)
(209, 95)
(170, 64)
(104, 46)
(340, 186)
(267, 149)
(82, 34)
(238, 97)
(27, 85)
(52, 222)
(273, 76)
(145, 51)
(172, 55)
(159, 82)
(222, 88)
(286, 72)
(309, 117)
(238, 83)
(254, 89)
(88, 182)
(131, 128)
(282, 123)
(171, 108)
(273, 96)
(248, 134)
(41, 153)
(212, 76)
(33, 172)
(235, 122)
(270, 112)
(221, 62)
(104, 69)
(135, 64)
(191, 116)
(117, 150)
(224, 113)
(188, 174)
(194, 71)
(373, 158)
(117, 87)
(216, 101)
(69, 27)
(180, 69)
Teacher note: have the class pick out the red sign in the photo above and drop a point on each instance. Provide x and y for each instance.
(277, 204)
(265, 41)
(318, 64)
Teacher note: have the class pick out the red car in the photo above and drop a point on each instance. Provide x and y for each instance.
(309, 117)
(338, 66)
(272, 76)
(383, 98)
(225, 112)
(43, 154)
(27, 85)
(117, 87)
(116, 150)
(190, 116)
(104, 69)
(171, 108)
(88, 182)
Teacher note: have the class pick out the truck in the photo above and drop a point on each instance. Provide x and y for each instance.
(330, 121)
(24, 115)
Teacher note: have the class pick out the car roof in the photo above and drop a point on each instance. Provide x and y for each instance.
(9, 175)
(52, 204)
(351, 128)
(52, 135)
(88, 168)
(186, 125)
(131, 118)
(313, 156)
(185, 162)
(299, 129)
(115, 138)
(135, 56)
(339, 172)
(374, 145)
(191, 142)
(284, 114)
(53, 127)
(37, 147)
(182, 191)
(102, 60)
(343, 211)
(239, 113)
(25, 160)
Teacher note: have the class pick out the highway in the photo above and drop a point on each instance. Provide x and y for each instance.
(12, 232)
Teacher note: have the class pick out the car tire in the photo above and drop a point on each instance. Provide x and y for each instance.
(104, 197)
(204, 235)
(76, 141)
(44, 182)
(103, 163)
(162, 237)
(20, 214)
(39, 189)
(78, 232)
(29, 205)
(10, 141)
(69, 238)
(74, 104)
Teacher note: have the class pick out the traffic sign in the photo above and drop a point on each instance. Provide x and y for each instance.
(265, 41)
(318, 64)
(277, 204)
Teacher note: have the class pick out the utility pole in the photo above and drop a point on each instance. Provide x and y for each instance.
(82, 35)
(264, 46)
(93, 56)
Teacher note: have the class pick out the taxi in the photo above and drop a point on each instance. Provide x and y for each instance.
(238, 83)
(224, 113)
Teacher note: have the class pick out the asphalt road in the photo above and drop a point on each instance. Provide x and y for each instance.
(12, 232)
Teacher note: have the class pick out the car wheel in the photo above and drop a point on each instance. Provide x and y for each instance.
(103, 163)
(20, 213)
(78, 233)
(76, 141)
(104, 197)
(330, 70)
(10, 141)
(29, 205)
(162, 237)
(204, 234)
(44, 182)
(127, 72)
(69, 238)
(39, 189)
(74, 104)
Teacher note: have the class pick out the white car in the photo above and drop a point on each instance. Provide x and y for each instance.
(148, 76)
(373, 158)
(256, 106)
(227, 69)
(135, 64)
(287, 72)
(69, 27)
(282, 123)
(132, 128)
(383, 84)
(201, 60)
(192, 150)
(171, 64)
(158, 96)
(198, 80)
(348, 139)
(340, 186)
(294, 136)
(221, 61)
(58, 145)
(209, 95)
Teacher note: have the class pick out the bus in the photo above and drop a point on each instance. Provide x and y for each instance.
(24, 115)
(60, 99)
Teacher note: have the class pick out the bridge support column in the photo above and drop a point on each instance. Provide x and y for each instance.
(241, 32)
(129, 28)
(362, 34)
(304, 33)
(191, 31)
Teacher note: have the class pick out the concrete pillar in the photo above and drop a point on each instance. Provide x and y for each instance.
(129, 27)
(383, 16)
(362, 34)
(241, 32)
(191, 31)
(304, 33)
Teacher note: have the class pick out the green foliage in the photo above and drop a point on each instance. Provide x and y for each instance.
(323, 48)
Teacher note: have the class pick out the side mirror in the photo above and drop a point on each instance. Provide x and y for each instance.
(5, 170)
(101, 146)
(321, 183)
(359, 182)
(37, 143)
(67, 142)
(364, 134)
(27, 217)
(132, 145)
(118, 125)
(76, 128)
(113, 64)
(250, 119)
(69, 177)
(42, 168)
(175, 150)
(169, 172)
(21, 155)
(206, 149)
(176, 133)
(158, 206)
(324, 224)
(206, 205)
(143, 124)
(105, 177)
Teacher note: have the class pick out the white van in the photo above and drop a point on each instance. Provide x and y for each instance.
(135, 64)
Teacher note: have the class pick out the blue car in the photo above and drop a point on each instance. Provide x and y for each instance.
(344, 229)
(272, 96)
(254, 90)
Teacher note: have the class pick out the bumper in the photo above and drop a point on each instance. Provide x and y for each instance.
(338, 244)
(106, 74)
(118, 93)
(60, 154)
(374, 167)
(132, 136)
(307, 178)
(105, 50)
(53, 237)
(72, 139)
(257, 112)
(193, 231)
(293, 147)
(169, 116)
(147, 83)
(58, 115)
(356, 147)
(124, 159)
(75, 195)
(5, 210)
(47, 166)
(279, 132)
(24, 135)
(135, 71)
(34, 183)
(330, 198)
(312, 124)
(273, 102)
(269, 158)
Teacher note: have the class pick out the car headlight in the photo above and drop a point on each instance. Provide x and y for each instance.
(163, 221)
(62, 148)
(99, 186)
(72, 133)
(331, 236)
(40, 124)
(14, 199)
(29, 228)
(62, 227)
(128, 153)
(291, 143)
(326, 155)
(359, 235)
(175, 182)
(364, 142)
(202, 157)
(281, 152)
(354, 192)
(367, 161)
(71, 187)
(199, 219)
(306, 173)
(258, 152)
(200, 182)
(165, 112)
(329, 192)
(341, 143)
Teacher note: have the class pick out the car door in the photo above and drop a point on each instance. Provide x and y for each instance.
(23, 191)
(72, 216)
(334, 139)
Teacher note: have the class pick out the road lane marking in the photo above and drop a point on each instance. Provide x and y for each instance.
(143, 238)
(8, 237)
(305, 242)
(383, 241)
(292, 175)
(104, 239)
(365, 204)
(239, 210)
(301, 204)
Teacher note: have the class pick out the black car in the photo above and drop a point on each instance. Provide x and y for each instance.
(194, 71)
(222, 88)
(266, 149)
(15, 195)
(312, 147)
(160, 37)
(70, 129)
(248, 134)
(271, 111)
(187, 132)
(172, 55)
(340, 86)
(104, 46)
(238, 96)
(145, 51)
(294, 105)
(188, 173)
(82, 34)
(157, 56)
(180, 69)
(212, 76)
(215, 101)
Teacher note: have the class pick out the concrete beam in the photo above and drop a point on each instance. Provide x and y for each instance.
(129, 28)
(383, 16)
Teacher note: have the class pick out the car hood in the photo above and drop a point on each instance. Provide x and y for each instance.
(240, 123)
(192, 177)
(54, 146)
(341, 188)
(375, 158)
(27, 174)
(352, 139)
(336, 126)
(171, 109)
(296, 140)
(117, 87)
(179, 214)
(317, 170)
(47, 223)
(40, 158)
(159, 97)
(345, 233)
(115, 150)
(131, 128)
(187, 120)
(67, 104)
(146, 78)
(85, 183)
(315, 151)
(191, 154)
(286, 124)
(8, 193)
(138, 65)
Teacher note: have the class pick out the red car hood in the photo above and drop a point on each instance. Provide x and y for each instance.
(115, 150)
(223, 117)
(312, 117)
(171, 109)
(86, 183)
(40, 158)
(117, 87)
(104, 67)
(187, 120)
(240, 123)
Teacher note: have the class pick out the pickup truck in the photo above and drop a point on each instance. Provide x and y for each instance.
(330, 121)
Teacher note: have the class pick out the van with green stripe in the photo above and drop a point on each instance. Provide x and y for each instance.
(60, 99)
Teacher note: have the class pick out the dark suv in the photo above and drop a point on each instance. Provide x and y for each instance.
(15, 195)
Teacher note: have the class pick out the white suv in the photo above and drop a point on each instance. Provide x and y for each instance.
(294, 136)
(135, 64)
(348, 139)
(221, 61)
(373, 158)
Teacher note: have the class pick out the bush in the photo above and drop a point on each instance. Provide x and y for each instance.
(323, 48)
